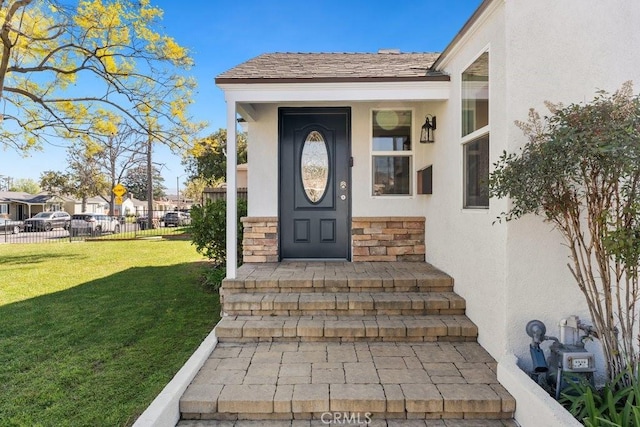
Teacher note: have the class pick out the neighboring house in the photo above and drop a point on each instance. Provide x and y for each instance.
(179, 203)
(20, 205)
(12, 205)
(355, 121)
(93, 204)
(133, 206)
(162, 206)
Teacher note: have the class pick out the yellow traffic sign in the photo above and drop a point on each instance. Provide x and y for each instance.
(119, 190)
(118, 200)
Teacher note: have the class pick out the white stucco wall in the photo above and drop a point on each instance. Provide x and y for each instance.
(544, 50)
(263, 158)
(514, 272)
(560, 52)
(464, 242)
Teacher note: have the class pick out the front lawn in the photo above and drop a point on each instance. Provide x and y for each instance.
(91, 332)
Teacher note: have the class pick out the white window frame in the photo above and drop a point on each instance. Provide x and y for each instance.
(476, 134)
(4, 209)
(409, 153)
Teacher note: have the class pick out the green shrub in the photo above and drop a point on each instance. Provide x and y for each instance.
(213, 278)
(580, 170)
(208, 230)
(612, 405)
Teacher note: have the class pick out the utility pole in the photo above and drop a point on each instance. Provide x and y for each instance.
(149, 184)
(178, 191)
(113, 180)
(7, 182)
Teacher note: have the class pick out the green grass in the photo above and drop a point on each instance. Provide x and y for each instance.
(91, 332)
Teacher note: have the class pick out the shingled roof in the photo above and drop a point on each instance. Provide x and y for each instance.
(333, 67)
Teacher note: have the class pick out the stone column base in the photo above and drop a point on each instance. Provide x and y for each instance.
(388, 238)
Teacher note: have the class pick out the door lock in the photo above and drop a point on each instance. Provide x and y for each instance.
(343, 185)
(343, 197)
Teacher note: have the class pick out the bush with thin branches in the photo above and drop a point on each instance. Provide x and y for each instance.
(580, 170)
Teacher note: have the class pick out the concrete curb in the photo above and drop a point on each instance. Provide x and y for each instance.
(534, 407)
(165, 408)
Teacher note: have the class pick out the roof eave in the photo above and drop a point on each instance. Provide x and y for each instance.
(463, 32)
(359, 91)
(435, 78)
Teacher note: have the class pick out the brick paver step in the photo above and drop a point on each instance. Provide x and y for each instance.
(285, 381)
(338, 277)
(303, 341)
(414, 328)
(344, 303)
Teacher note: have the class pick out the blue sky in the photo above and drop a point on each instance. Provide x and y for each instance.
(222, 34)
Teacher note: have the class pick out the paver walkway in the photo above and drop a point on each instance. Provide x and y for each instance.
(373, 423)
(300, 358)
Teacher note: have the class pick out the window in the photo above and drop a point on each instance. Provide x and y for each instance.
(314, 167)
(476, 166)
(4, 209)
(475, 133)
(392, 150)
(475, 95)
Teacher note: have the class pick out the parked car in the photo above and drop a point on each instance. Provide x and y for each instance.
(11, 226)
(47, 221)
(94, 224)
(176, 219)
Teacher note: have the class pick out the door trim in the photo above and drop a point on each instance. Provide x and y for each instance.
(346, 111)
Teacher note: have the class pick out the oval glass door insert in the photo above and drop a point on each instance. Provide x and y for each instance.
(314, 166)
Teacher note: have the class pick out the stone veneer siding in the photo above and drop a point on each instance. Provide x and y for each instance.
(389, 238)
(260, 239)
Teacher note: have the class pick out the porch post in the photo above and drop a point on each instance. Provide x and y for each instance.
(232, 193)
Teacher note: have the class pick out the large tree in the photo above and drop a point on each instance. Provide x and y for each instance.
(26, 185)
(207, 159)
(66, 68)
(136, 182)
(83, 178)
(119, 153)
(193, 189)
(56, 182)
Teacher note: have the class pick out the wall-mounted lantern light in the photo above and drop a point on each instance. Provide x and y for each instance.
(426, 134)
